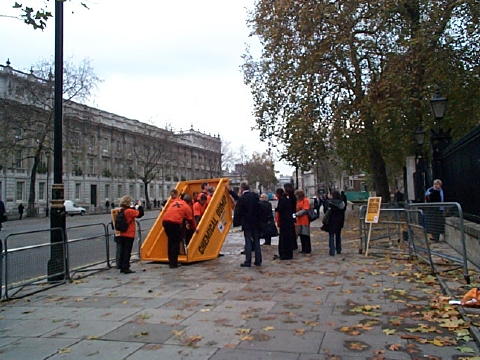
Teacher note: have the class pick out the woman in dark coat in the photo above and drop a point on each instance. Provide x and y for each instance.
(286, 223)
(336, 218)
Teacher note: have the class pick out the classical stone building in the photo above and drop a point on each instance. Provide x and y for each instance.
(105, 155)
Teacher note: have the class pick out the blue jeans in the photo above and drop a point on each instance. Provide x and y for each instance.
(252, 243)
(335, 242)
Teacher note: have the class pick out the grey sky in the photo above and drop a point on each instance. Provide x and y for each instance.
(175, 62)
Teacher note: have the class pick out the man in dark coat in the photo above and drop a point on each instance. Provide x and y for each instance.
(336, 218)
(20, 211)
(267, 223)
(247, 214)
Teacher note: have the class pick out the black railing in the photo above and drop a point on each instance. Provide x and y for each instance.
(460, 169)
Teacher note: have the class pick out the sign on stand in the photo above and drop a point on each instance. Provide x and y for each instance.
(372, 216)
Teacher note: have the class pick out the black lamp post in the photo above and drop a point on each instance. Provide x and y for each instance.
(420, 174)
(56, 268)
(439, 138)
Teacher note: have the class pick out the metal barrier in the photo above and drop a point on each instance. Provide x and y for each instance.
(436, 218)
(387, 234)
(82, 253)
(418, 243)
(37, 271)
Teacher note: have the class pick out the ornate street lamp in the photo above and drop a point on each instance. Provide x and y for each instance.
(419, 176)
(438, 103)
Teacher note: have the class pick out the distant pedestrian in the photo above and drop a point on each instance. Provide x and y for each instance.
(112, 205)
(343, 196)
(284, 213)
(20, 211)
(173, 218)
(267, 222)
(107, 205)
(334, 220)
(316, 204)
(247, 213)
(434, 218)
(3, 216)
(302, 223)
(125, 238)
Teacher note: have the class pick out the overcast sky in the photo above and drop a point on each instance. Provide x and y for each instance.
(162, 62)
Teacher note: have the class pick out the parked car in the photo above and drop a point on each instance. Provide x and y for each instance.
(72, 209)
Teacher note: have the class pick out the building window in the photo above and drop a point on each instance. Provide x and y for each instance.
(107, 191)
(20, 190)
(131, 191)
(77, 191)
(18, 162)
(120, 191)
(41, 191)
(91, 166)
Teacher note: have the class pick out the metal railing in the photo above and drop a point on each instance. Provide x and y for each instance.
(387, 234)
(434, 233)
(437, 219)
(25, 267)
(17, 275)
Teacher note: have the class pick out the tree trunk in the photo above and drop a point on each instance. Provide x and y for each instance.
(31, 211)
(147, 200)
(379, 173)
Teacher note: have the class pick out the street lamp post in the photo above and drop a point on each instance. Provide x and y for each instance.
(420, 173)
(439, 138)
(56, 268)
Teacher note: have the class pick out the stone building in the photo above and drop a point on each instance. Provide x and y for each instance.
(105, 155)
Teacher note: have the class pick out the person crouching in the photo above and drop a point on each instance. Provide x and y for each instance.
(176, 212)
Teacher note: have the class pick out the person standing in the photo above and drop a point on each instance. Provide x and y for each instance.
(434, 219)
(247, 213)
(302, 223)
(267, 223)
(290, 194)
(175, 214)
(286, 223)
(3, 217)
(126, 238)
(20, 211)
(336, 217)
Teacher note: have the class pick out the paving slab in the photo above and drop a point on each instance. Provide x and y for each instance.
(284, 340)
(83, 329)
(142, 332)
(243, 354)
(27, 327)
(172, 352)
(33, 348)
(97, 350)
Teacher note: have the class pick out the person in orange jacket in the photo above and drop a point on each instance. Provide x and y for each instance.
(302, 223)
(176, 212)
(125, 238)
(199, 208)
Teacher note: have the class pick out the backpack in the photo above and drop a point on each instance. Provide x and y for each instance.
(312, 214)
(121, 223)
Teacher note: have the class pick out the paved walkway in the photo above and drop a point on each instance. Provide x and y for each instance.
(312, 307)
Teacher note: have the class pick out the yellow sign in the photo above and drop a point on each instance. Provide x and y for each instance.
(114, 213)
(212, 230)
(373, 209)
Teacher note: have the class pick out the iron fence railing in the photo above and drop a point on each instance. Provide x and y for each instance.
(89, 248)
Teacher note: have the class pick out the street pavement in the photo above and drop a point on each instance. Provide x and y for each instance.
(312, 307)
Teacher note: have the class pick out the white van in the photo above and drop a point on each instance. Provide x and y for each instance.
(72, 209)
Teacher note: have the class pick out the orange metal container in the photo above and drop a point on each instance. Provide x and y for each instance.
(212, 230)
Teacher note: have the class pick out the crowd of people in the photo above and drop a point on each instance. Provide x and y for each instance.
(290, 221)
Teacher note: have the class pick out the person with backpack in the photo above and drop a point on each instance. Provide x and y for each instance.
(333, 222)
(125, 230)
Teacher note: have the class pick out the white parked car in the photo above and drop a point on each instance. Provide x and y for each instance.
(72, 209)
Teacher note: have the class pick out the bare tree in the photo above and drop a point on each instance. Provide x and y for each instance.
(152, 158)
(28, 115)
